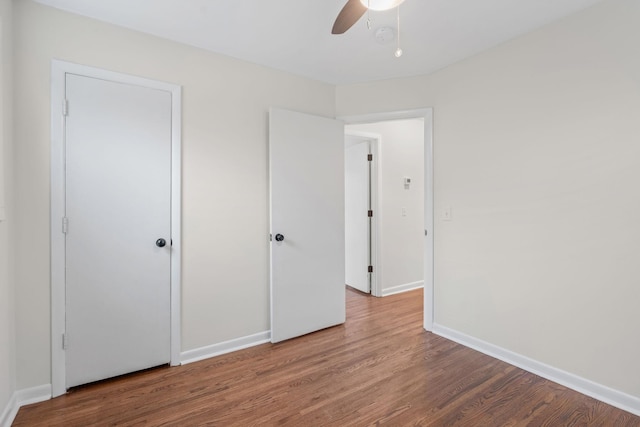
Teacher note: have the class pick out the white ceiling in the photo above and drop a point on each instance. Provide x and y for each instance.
(294, 35)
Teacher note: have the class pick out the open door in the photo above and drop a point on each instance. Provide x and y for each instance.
(306, 159)
(358, 213)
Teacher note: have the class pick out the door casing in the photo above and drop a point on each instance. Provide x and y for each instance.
(427, 115)
(59, 69)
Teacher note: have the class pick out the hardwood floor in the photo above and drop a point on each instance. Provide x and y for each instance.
(380, 368)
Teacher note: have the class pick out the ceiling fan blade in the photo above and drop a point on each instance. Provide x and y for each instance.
(349, 15)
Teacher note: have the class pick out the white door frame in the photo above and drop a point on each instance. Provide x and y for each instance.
(427, 115)
(59, 69)
(376, 276)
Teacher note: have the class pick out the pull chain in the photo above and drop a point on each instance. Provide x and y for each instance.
(398, 52)
(369, 14)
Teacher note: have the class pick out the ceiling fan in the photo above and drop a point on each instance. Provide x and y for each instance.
(354, 9)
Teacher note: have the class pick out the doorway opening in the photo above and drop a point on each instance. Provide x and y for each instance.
(402, 238)
(361, 208)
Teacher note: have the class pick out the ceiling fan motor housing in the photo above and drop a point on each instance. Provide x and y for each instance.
(385, 35)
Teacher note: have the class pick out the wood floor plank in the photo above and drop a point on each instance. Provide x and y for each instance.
(379, 368)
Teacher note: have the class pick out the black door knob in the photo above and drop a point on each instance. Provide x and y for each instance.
(279, 237)
(160, 243)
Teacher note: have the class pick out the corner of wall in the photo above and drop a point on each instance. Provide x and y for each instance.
(22, 398)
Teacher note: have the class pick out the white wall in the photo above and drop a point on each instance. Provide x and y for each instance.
(400, 259)
(225, 177)
(7, 341)
(537, 151)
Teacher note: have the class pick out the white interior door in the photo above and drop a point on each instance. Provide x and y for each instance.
(357, 221)
(306, 156)
(118, 204)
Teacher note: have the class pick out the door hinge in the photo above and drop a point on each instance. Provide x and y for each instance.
(370, 214)
(65, 107)
(370, 157)
(370, 269)
(65, 225)
(64, 341)
(271, 237)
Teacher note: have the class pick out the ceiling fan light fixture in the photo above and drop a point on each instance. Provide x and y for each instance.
(381, 4)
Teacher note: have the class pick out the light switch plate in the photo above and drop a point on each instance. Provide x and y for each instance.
(446, 213)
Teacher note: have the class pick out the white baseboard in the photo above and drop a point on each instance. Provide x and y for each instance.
(202, 353)
(403, 288)
(600, 392)
(9, 413)
(21, 398)
(41, 393)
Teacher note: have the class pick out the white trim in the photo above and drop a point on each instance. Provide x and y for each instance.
(376, 203)
(429, 268)
(10, 411)
(600, 392)
(176, 224)
(31, 395)
(58, 369)
(225, 347)
(376, 206)
(59, 69)
(21, 398)
(427, 115)
(403, 288)
(386, 116)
